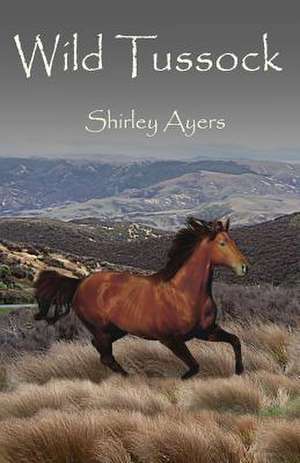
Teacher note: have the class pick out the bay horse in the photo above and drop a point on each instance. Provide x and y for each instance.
(172, 306)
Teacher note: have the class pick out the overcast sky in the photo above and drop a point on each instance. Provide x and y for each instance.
(44, 116)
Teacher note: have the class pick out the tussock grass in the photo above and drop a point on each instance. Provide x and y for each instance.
(63, 361)
(270, 338)
(60, 437)
(78, 395)
(273, 383)
(122, 437)
(64, 405)
(259, 360)
(166, 440)
(293, 364)
(127, 396)
(244, 426)
(76, 360)
(237, 395)
(279, 442)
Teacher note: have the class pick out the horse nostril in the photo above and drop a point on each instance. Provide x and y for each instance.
(244, 268)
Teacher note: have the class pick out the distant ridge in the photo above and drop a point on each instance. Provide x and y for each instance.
(29, 183)
(157, 193)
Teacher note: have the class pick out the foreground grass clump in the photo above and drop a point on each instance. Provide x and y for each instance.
(63, 405)
(279, 443)
(57, 437)
(236, 395)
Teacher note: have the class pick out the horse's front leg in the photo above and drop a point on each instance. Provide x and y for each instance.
(178, 347)
(217, 334)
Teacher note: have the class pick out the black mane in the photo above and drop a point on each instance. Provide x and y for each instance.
(184, 245)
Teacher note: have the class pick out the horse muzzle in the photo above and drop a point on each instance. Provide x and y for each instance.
(241, 269)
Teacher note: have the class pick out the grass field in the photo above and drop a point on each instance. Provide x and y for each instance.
(64, 406)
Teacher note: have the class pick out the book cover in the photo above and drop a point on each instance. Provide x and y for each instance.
(149, 232)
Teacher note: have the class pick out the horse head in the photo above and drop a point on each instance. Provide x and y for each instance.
(224, 250)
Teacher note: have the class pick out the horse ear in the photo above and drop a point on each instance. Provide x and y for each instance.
(218, 226)
(215, 227)
(227, 225)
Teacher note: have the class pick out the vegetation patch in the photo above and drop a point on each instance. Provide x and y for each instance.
(64, 405)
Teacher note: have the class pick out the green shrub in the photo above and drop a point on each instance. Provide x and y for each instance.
(4, 272)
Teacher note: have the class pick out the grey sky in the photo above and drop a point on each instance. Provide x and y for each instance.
(43, 116)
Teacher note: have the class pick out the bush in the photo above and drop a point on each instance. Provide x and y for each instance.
(4, 272)
(6, 276)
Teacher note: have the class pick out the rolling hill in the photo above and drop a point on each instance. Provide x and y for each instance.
(248, 198)
(157, 193)
(39, 183)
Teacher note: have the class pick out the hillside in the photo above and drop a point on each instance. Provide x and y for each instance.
(157, 193)
(19, 266)
(272, 247)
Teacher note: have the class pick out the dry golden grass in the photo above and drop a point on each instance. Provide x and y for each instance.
(59, 437)
(293, 364)
(273, 383)
(77, 360)
(238, 395)
(78, 395)
(271, 338)
(279, 443)
(64, 406)
(167, 440)
(81, 437)
(63, 361)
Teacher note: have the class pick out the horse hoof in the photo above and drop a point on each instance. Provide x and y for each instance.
(239, 370)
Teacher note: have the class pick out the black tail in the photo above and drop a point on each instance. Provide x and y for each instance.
(53, 289)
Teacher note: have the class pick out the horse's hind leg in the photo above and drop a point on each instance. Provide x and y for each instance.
(178, 347)
(103, 343)
(103, 340)
(220, 335)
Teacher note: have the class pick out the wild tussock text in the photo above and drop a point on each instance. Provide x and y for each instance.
(67, 56)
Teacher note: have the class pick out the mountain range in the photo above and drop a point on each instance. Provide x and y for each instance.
(157, 193)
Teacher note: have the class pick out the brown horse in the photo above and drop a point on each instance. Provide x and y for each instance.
(172, 306)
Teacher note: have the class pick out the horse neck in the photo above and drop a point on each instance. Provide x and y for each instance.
(195, 275)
